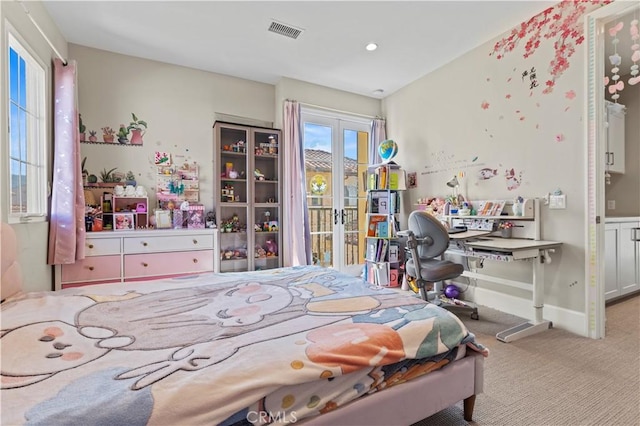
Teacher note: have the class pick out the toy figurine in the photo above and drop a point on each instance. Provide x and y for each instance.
(260, 252)
(272, 247)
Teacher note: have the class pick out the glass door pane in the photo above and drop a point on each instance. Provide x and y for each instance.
(267, 199)
(319, 177)
(233, 214)
(335, 160)
(354, 166)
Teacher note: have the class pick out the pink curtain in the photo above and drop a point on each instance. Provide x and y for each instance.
(378, 134)
(66, 225)
(296, 234)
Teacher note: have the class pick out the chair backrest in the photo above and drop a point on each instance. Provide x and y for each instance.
(432, 236)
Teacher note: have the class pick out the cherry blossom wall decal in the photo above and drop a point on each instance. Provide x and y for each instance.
(561, 23)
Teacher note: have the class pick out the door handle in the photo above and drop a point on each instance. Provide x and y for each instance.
(335, 216)
(344, 216)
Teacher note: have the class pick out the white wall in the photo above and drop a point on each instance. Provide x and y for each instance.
(32, 237)
(478, 112)
(177, 103)
(308, 93)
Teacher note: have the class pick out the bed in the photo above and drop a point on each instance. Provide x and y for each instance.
(302, 345)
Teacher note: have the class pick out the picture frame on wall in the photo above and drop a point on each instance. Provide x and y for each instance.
(123, 222)
(412, 180)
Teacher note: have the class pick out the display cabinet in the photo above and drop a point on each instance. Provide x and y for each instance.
(248, 196)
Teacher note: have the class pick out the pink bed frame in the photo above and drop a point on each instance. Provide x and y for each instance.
(415, 400)
(404, 404)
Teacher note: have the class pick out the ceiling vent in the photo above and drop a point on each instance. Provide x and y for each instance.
(285, 30)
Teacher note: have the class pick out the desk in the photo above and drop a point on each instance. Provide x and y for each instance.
(480, 244)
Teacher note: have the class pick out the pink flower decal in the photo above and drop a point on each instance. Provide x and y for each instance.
(484, 105)
(508, 96)
(570, 95)
(559, 137)
(561, 23)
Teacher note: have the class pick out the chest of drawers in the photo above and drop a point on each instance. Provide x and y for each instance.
(114, 257)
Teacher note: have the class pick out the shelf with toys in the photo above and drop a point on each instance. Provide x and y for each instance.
(248, 196)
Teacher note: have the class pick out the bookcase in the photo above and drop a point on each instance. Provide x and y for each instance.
(382, 257)
(248, 196)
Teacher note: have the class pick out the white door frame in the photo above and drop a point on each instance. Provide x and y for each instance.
(595, 187)
(338, 123)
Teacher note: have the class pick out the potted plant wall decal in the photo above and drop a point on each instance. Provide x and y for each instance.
(138, 128)
(107, 134)
(130, 178)
(85, 172)
(92, 136)
(123, 134)
(82, 128)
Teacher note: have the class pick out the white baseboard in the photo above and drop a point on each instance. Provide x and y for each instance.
(565, 319)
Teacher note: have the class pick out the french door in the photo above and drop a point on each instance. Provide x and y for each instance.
(335, 149)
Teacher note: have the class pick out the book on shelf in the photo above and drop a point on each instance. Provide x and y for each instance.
(372, 249)
(394, 253)
(383, 205)
(374, 226)
(393, 277)
(381, 273)
(382, 229)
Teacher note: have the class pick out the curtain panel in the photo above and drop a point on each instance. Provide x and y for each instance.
(297, 233)
(66, 224)
(378, 134)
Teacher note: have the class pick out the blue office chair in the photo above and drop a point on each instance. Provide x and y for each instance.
(427, 240)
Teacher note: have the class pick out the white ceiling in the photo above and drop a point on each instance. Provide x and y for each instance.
(231, 37)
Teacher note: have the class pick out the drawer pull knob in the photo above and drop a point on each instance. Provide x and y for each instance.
(90, 246)
(145, 264)
(195, 260)
(144, 243)
(91, 268)
(195, 241)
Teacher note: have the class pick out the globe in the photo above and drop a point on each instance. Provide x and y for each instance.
(387, 150)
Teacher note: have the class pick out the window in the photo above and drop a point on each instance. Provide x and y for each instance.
(27, 149)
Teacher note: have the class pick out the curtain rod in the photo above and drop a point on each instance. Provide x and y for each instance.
(338, 110)
(64, 61)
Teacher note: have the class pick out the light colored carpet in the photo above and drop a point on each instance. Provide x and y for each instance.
(556, 378)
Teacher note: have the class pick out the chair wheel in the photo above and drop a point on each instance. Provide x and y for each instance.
(475, 316)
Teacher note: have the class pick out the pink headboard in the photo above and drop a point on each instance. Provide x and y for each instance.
(10, 273)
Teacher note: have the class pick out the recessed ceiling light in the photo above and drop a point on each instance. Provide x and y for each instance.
(371, 47)
(378, 92)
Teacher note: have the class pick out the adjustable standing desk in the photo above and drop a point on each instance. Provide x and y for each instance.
(483, 245)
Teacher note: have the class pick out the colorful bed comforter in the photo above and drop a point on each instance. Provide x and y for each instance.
(214, 348)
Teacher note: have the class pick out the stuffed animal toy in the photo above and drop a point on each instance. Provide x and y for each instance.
(271, 247)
